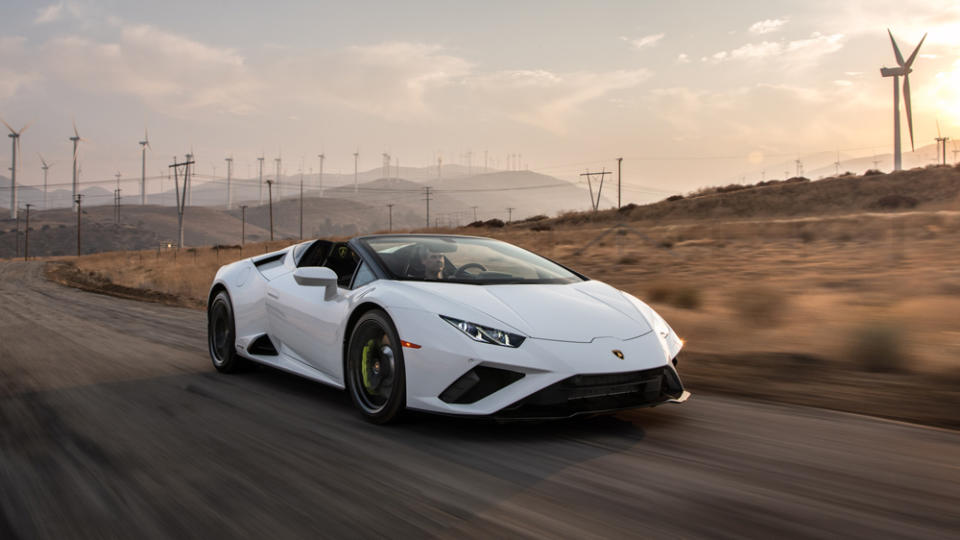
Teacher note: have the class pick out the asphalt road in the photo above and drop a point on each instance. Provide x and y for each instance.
(113, 423)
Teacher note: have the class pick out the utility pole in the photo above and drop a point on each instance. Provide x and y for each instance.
(356, 181)
(619, 161)
(45, 168)
(181, 194)
(78, 200)
(243, 224)
(439, 167)
(799, 167)
(260, 159)
(427, 199)
(76, 173)
(26, 236)
(187, 187)
(301, 205)
(837, 164)
(229, 161)
(510, 214)
(589, 175)
(390, 225)
(474, 212)
(270, 195)
(16, 236)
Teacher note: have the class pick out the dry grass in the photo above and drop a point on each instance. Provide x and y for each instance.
(736, 286)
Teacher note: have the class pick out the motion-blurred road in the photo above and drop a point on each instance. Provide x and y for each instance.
(113, 423)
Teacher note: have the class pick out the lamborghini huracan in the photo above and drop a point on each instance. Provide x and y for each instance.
(447, 324)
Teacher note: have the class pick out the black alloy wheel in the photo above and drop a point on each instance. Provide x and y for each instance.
(375, 375)
(222, 335)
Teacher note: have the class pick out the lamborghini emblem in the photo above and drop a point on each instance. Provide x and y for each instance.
(618, 353)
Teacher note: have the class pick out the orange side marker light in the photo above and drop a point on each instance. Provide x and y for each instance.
(409, 345)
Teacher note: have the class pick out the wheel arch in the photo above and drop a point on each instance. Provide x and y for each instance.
(214, 291)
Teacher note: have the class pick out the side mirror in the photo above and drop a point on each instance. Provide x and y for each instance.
(317, 276)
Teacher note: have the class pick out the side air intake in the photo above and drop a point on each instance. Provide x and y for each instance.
(262, 346)
(479, 383)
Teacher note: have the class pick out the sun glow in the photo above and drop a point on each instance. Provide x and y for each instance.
(947, 95)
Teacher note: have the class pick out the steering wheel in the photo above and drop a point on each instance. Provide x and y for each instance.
(461, 272)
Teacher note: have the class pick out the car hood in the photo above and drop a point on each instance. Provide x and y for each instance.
(578, 312)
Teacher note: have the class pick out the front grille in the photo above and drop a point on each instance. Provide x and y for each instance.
(584, 394)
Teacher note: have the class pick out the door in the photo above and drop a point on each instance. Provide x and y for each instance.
(304, 323)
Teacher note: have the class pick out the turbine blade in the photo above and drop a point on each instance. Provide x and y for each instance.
(8, 126)
(896, 50)
(906, 101)
(913, 55)
(41, 159)
(24, 128)
(75, 132)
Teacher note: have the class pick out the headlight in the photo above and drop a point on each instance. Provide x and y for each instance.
(485, 334)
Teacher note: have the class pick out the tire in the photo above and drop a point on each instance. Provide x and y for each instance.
(374, 369)
(222, 335)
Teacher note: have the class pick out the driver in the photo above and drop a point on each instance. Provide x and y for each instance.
(432, 263)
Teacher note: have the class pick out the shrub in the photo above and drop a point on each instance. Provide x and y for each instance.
(531, 219)
(872, 172)
(893, 202)
(542, 227)
(628, 259)
(762, 306)
(681, 296)
(807, 236)
(675, 198)
(627, 208)
(878, 347)
(796, 180)
(493, 223)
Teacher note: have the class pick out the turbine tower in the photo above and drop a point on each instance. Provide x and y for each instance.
(903, 69)
(356, 181)
(277, 160)
(45, 167)
(76, 172)
(320, 178)
(15, 140)
(144, 144)
(260, 159)
(229, 161)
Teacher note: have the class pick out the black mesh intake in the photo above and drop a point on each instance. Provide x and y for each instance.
(585, 394)
(479, 383)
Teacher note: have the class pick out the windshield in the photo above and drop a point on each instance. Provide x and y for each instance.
(480, 261)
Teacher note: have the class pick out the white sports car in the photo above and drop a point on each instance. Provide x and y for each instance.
(447, 324)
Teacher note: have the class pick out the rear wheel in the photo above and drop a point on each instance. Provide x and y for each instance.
(222, 335)
(375, 375)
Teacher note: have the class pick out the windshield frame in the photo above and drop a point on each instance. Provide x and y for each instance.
(370, 252)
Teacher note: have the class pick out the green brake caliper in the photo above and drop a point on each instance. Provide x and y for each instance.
(365, 364)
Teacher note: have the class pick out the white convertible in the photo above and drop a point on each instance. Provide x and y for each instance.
(447, 324)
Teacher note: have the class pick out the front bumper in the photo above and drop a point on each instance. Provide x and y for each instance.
(594, 394)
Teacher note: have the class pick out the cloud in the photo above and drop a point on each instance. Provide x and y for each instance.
(796, 53)
(15, 71)
(683, 58)
(645, 41)
(543, 99)
(767, 26)
(49, 14)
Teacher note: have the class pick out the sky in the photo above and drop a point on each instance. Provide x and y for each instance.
(689, 93)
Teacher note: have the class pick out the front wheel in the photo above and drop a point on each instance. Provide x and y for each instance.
(375, 375)
(222, 335)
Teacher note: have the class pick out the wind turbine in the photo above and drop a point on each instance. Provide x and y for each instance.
(144, 144)
(76, 172)
(904, 69)
(322, 157)
(45, 167)
(356, 182)
(941, 140)
(15, 139)
(229, 161)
